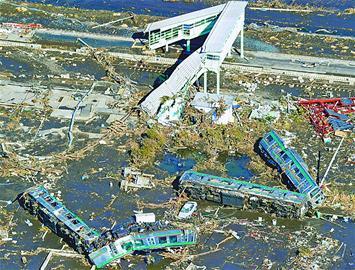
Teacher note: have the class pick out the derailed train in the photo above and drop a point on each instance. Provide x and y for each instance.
(242, 194)
(286, 160)
(100, 248)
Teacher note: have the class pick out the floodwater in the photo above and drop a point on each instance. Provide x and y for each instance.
(339, 25)
(87, 189)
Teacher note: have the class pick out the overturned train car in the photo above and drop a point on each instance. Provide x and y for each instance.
(246, 195)
(53, 214)
(295, 169)
(142, 242)
(100, 248)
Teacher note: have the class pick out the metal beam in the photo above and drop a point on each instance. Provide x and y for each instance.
(205, 82)
(218, 81)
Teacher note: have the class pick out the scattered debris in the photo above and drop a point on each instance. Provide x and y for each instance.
(145, 218)
(221, 107)
(329, 115)
(265, 112)
(136, 179)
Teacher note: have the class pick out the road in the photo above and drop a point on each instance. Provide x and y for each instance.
(301, 63)
(327, 69)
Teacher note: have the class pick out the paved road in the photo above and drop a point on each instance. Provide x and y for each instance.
(83, 34)
(300, 63)
(331, 70)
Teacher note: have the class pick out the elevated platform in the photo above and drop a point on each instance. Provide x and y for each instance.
(187, 26)
(224, 22)
(221, 38)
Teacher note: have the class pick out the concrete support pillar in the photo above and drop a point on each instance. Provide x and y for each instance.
(242, 42)
(218, 81)
(205, 82)
(149, 39)
(166, 47)
(188, 47)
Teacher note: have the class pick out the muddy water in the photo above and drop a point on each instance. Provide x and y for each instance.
(89, 196)
(338, 25)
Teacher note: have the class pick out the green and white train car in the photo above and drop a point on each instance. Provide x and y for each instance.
(141, 242)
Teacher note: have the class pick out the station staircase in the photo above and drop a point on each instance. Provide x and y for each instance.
(209, 57)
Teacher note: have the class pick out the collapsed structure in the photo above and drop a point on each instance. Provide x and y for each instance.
(330, 115)
(223, 23)
(100, 248)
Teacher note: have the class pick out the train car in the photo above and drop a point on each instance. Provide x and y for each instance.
(286, 160)
(53, 214)
(141, 242)
(242, 194)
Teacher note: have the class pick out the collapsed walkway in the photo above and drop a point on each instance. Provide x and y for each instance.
(223, 23)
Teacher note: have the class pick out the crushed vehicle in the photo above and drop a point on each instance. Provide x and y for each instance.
(187, 210)
(108, 246)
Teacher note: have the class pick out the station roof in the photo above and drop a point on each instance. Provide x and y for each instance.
(224, 27)
(185, 18)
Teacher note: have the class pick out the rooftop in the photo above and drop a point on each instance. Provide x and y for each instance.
(185, 18)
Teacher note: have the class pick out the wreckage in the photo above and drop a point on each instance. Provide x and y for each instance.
(223, 24)
(330, 115)
(242, 194)
(287, 161)
(100, 248)
(135, 179)
(141, 241)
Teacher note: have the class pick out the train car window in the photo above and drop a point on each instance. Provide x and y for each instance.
(301, 176)
(75, 222)
(54, 204)
(173, 239)
(128, 246)
(270, 139)
(163, 240)
(297, 170)
(138, 243)
(285, 157)
(151, 241)
(69, 216)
